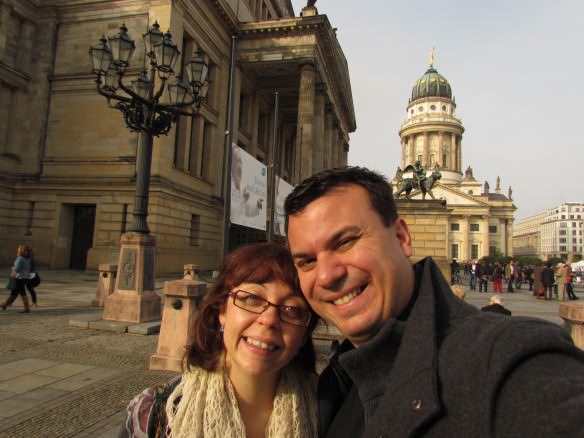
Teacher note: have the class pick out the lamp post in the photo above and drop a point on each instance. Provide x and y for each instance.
(144, 112)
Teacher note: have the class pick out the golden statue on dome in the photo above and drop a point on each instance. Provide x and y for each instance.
(432, 57)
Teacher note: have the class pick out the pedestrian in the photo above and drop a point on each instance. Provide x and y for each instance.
(561, 281)
(483, 273)
(569, 282)
(250, 368)
(509, 271)
(548, 280)
(473, 275)
(496, 306)
(33, 278)
(497, 278)
(19, 274)
(416, 360)
(538, 290)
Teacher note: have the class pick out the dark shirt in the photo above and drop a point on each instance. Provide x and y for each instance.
(547, 276)
(496, 308)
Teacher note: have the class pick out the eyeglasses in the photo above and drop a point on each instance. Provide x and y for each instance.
(256, 304)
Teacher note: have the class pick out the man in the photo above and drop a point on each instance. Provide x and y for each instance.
(417, 360)
(548, 280)
(496, 306)
(509, 275)
(473, 275)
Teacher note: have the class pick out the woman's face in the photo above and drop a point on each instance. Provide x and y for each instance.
(260, 344)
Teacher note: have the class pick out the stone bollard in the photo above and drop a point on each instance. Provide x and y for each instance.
(181, 303)
(573, 316)
(190, 272)
(106, 283)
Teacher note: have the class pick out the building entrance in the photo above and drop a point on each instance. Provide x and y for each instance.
(83, 225)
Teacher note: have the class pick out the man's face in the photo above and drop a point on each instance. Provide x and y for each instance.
(354, 271)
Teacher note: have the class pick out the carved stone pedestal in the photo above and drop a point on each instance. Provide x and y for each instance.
(573, 316)
(181, 304)
(106, 283)
(134, 299)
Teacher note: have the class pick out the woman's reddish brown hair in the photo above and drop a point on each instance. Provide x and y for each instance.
(252, 263)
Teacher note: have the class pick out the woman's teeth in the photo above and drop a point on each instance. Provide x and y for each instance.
(259, 344)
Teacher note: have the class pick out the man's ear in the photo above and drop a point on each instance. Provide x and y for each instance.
(402, 233)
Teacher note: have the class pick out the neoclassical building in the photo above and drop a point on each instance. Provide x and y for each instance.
(556, 232)
(476, 221)
(67, 161)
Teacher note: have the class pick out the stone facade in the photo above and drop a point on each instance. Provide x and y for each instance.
(556, 232)
(477, 221)
(67, 161)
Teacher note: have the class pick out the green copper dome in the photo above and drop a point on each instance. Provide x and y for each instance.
(432, 84)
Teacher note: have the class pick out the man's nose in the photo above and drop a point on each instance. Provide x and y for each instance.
(329, 271)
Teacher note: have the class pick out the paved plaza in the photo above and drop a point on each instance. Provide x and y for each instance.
(57, 380)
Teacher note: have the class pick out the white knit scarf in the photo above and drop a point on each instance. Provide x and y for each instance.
(208, 407)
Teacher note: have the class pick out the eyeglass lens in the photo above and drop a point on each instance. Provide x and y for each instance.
(256, 304)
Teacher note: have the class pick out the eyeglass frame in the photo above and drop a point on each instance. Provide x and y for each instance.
(233, 294)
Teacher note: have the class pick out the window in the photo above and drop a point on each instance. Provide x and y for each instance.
(573, 224)
(420, 108)
(562, 232)
(454, 227)
(474, 252)
(574, 232)
(454, 251)
(563, 216)
(574, 240)
(571, 216)
(562, 248)
(443, 160)
(492, 228)
(433, 107)
(195, 230)
(474, 227)
(492, 250)
(562, 240)
(443, 107)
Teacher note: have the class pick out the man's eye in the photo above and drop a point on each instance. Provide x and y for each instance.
(347, 242)
(305, 264)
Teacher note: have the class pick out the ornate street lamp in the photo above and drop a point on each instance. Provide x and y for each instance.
(144, 112)
(140, 103)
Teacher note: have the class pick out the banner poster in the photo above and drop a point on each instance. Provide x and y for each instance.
(283, 189)
(249, 182)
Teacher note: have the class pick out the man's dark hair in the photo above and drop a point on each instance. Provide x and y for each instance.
(312, 188)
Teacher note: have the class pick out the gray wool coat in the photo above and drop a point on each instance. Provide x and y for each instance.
(453, 371)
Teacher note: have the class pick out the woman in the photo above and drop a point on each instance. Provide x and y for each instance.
(250, 369)
(20, 272)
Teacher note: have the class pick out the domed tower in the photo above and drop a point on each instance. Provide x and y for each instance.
(432, 133)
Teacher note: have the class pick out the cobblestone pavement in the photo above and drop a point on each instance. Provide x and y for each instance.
(61, 381)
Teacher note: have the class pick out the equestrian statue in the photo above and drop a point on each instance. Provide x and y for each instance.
(419, 180)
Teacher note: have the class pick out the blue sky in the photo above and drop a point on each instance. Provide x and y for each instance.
(517, 73)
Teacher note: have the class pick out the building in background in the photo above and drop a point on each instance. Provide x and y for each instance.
(478, 221)
(67, 161)
(556, 232)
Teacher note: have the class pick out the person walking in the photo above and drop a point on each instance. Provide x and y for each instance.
(20, 273)
(538, 290)
(548, 280)
(569, 286)
(497, 278)
(32, 278)
(509, 275)
(561, 281)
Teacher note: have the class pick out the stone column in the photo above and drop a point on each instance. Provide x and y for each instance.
(412, 145)
(485, 235)
(459, 152)
(318, 130)
(453, 151)
(426, 155)
(403, 152)
(328, 137)
(465, 239)
(345, 154)
(304, 136)
(440, 149)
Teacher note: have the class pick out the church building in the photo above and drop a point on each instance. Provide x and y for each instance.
(477, 221)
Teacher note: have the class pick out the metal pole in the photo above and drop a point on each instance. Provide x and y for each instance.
(273, 166)
(228, 143)
(143, 164)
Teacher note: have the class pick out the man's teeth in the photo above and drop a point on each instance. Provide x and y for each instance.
(260, 344)
(346, 298)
